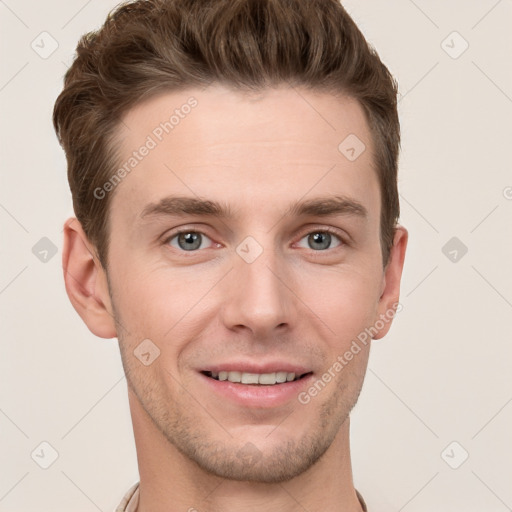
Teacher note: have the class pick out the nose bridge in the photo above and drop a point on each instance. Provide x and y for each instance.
(257, 297)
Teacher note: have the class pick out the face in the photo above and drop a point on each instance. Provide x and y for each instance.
(244, 245)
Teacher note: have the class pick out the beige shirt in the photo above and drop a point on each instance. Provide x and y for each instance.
(130, 502)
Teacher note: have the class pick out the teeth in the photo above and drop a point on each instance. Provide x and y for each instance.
(234, 376)
(281, 377)
(249, 378)
(254, 378)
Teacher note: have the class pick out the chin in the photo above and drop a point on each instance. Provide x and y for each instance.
(246, 462)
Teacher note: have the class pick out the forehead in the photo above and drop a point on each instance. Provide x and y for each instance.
(276, 145)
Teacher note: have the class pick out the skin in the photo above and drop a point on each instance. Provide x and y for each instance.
(257, 153)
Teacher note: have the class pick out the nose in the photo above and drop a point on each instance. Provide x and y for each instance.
(258, 296)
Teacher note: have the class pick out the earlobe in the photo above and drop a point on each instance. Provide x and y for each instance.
(86, 282)
(390, 295)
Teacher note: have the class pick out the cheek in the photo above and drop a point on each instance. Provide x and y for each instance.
(142, 293)
(345, 299)
(161, 305)
(157, 302)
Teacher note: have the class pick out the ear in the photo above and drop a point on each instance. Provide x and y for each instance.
(390, 293)
(86, 281)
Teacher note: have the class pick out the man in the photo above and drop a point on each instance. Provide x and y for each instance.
(233, 170)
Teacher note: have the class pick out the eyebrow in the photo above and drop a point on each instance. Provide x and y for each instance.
(322, 207)
(319, 207)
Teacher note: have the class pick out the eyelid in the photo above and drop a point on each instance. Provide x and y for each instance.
(343, 237)
(176, 232)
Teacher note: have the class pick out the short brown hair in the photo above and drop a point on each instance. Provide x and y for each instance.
(147, 47)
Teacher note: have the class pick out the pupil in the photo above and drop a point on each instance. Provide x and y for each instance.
(322, 239)
(192, 241)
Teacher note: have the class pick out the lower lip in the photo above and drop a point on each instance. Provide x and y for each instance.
(262, 396)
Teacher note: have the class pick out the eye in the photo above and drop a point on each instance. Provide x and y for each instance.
(321, 240)
(188, 240)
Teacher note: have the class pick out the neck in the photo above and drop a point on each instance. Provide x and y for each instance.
(171, 482)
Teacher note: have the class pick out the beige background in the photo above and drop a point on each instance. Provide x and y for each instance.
(442, 375)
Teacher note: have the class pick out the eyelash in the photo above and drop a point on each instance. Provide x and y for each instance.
(331, 231)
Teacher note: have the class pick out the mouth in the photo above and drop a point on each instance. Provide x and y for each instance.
(258, 387)
(256, 379)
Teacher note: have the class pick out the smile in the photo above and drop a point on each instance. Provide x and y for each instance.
(266, 379)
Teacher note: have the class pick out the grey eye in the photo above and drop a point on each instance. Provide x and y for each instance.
(320, 240)
(188, 241)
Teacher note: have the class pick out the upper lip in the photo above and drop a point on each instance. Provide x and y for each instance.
(252, 367)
